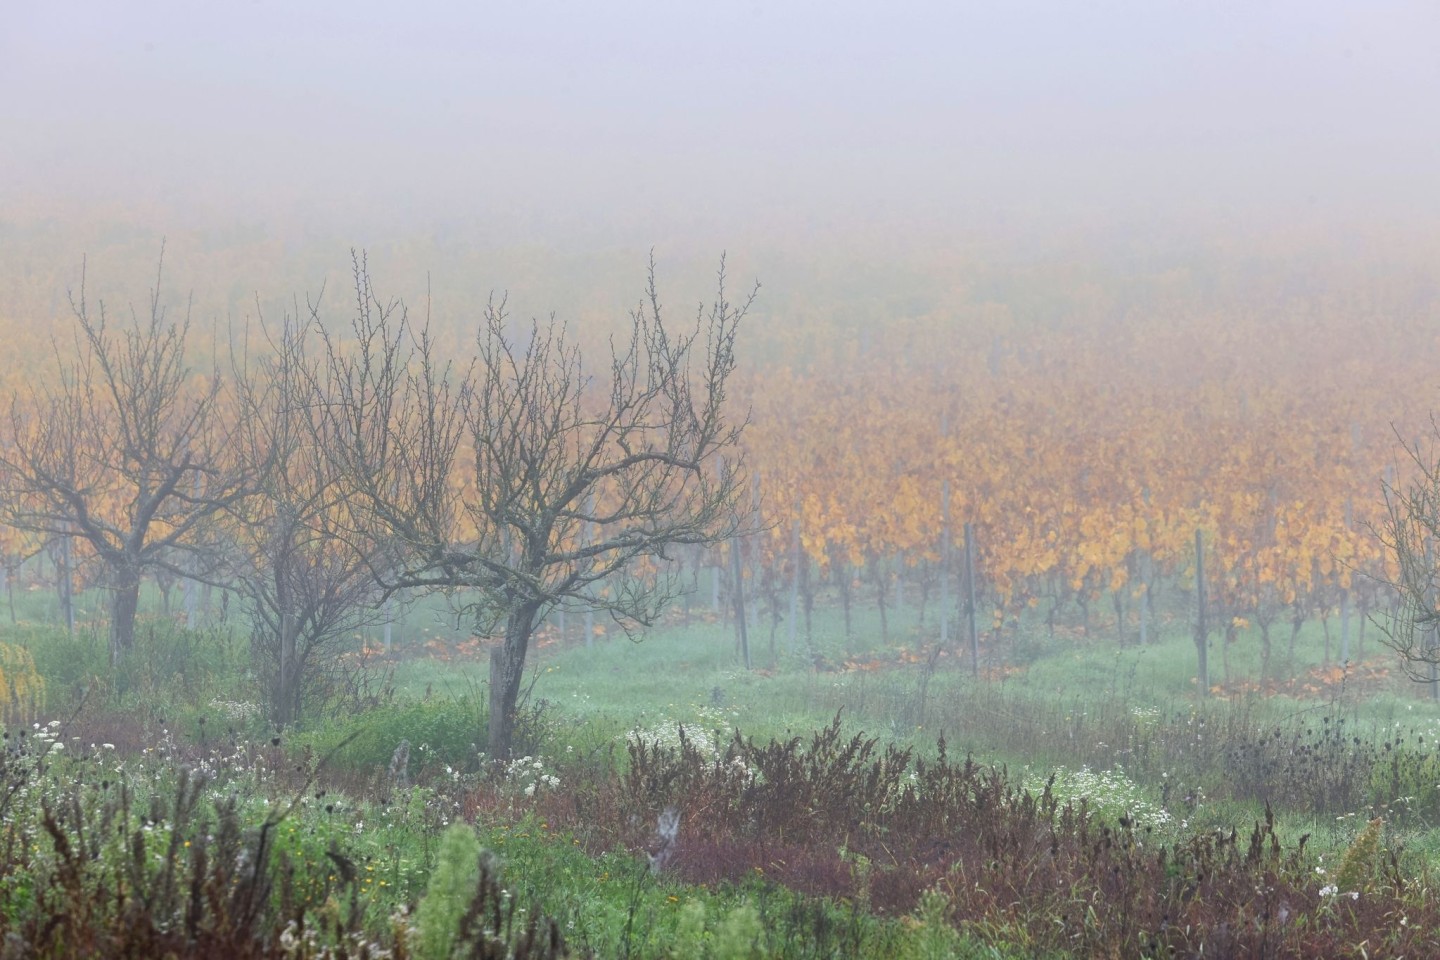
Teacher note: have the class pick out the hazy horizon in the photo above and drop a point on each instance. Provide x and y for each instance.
(744, 127)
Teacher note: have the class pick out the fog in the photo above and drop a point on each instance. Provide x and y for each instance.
(1084, 427)
(743, 126)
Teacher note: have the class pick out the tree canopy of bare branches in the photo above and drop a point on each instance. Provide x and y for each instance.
(1410, 532)
(126, 451)
(306, 586)
(524, 479)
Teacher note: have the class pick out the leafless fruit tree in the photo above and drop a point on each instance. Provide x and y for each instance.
(518, 479)
(125, 449)
(1410, 532)
(306, 584)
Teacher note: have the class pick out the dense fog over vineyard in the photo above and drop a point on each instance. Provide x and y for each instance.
(1006, 431)
(567, 124)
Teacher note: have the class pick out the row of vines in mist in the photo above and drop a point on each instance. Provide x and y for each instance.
(1083, 418)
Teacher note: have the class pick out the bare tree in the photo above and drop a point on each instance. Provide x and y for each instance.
(125, 450)
(1410, 533)
(521, 480)
(306, 585)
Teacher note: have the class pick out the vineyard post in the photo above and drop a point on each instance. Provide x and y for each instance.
(737, 575)
(794, 579)
(539, 436)
(1201, 629)
(1345, 593)
(758, 523)
(1143, 565)
(389, 609)
(944, 561)
(66, 577)
(970, 598)
(900, 586)
(737, 571)
(587, 536)
(286, 699)
(1431, 642)
(715, 587)
(192, 586)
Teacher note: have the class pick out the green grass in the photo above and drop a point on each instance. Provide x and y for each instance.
(1111, 720)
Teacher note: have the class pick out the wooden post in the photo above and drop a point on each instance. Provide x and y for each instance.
(285, 709)
(970, 598)
(794, 580)
(944, 561)
(1201, 629)
(742, 636)
(389, 634)
(1431, 643)
(67, 586)
(1345, 595)
(587, 535)
(755, 572)
(900, 587)
(192, 587)
(1143, 565)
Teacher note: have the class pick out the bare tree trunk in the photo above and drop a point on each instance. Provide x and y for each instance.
(124, 601)
(65, 585)
(286, 694)
(164, 584)
(507, 667)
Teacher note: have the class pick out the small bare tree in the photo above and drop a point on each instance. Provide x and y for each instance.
(306, 585)
(1410, 533)
(126, 450)
(522, 480)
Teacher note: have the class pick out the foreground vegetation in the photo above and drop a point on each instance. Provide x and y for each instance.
(666, 803)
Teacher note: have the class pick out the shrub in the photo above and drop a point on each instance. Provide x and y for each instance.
(441, 731)
(448, 896)
(22, 689)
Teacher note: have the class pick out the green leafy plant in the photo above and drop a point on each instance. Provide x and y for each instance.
(449, 895)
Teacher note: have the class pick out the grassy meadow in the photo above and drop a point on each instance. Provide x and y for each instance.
(845, 797)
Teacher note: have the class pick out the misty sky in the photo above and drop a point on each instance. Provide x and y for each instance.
(548, 119)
